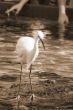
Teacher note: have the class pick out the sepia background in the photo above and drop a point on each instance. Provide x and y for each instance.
(52, 72)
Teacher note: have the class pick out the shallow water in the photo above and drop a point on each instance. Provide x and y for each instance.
(52, 72)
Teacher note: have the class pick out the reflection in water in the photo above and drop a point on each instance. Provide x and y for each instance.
(61, 32)
(53, 63)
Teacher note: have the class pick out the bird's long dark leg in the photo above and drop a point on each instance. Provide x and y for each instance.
(18, 97)
(30, 81)
(30, 77)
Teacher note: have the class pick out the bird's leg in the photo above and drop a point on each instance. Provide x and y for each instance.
(18, 97)
(30, 82)
(30, 77)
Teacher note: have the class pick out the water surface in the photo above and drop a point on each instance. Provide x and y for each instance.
(52, 72)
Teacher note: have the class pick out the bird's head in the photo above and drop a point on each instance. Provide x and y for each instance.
(41, 36)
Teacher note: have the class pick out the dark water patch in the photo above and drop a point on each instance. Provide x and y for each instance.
(1, 87)
(60, 31)
(67, 105)
(8, 78)
(14, 85)
(4, 105)
(42, 106)
(19, 24)
(48, 75)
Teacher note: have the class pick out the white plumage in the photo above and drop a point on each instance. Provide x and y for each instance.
(27, 51)
(27, 48)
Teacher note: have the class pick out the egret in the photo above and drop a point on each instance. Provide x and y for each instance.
(27, 51)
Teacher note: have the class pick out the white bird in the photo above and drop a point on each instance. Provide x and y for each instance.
(27, 51)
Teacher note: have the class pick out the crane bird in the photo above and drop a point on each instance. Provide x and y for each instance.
(27, 51)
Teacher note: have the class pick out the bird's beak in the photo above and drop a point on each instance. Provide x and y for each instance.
(42, 42)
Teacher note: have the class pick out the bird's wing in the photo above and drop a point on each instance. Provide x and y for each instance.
(25, 43)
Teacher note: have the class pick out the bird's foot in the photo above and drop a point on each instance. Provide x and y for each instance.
(18, 97)
(32, 98)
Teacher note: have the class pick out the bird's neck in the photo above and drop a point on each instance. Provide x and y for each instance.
(36, 40)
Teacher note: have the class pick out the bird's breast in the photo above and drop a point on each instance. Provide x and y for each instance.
(27, 50)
